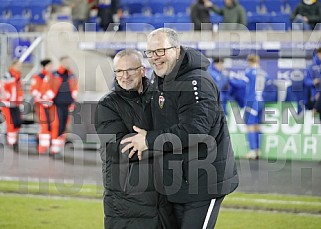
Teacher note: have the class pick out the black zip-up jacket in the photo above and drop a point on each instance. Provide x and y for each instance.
(312, 12)
(190, 127)
(130, 199)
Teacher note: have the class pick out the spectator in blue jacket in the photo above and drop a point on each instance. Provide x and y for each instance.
(222, 81)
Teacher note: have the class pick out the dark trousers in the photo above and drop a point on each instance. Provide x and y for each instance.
(198, 215)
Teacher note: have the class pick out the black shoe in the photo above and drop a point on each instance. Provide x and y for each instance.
(56, 156)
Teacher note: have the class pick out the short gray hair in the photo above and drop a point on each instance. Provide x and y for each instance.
(129, 52)
(171, 35)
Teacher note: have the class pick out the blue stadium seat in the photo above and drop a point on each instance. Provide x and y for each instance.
(133, 22)
(292, 4)
(134, 6)
(183, 18)
(252, 20)
(158, 7)
(19, 8)
(282, 18)
(215, 19)
(180, 7)
(40, 11)
(180, 26)
(136, 27)
(273, 6)
(271, 26)
(219, 3)
(4, 8)
(57, 2)
(250, 6)
(15, 24)
(158, 21)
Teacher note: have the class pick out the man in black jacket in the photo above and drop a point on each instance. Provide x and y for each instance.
(191, 130)
(130, 198)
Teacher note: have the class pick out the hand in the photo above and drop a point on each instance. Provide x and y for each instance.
(305, 19)
(316, 81)
(208, 4)
(71, 107)
(136, 142)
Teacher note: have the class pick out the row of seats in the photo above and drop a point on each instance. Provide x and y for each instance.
(15, 24)
(37, 11)
(183, 6)
(182, 22)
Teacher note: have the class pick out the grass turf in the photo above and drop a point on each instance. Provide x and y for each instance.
(59, 206)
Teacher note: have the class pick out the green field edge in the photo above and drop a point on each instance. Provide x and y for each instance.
(236, 200)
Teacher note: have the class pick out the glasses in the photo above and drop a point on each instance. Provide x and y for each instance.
(158, 52)
(130, 72)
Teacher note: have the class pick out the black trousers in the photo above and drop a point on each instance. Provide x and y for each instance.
(198, 215)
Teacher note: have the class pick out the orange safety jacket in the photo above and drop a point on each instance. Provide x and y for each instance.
(39, 86)
(11, 88)
(52, 86)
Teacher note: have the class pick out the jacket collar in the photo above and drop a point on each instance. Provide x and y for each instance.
(131, 94)
(62, 69)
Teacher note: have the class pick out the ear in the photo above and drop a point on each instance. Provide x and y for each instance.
(178, 51)
(143, 71)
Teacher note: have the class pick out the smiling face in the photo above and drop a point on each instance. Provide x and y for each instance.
(133, 75)
(162, 65)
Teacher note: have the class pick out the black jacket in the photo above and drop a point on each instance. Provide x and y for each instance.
(312, 12)
(130, 199)
(191, 128)
(201, 14)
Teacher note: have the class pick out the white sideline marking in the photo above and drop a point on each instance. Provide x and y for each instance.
(274, 201)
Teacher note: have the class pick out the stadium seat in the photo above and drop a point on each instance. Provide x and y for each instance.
(183, 18)
(252, 20)
(15, 24)
(158, 7)
(215, 19)
(180, 7)
(19, 8)
(273, 6)
(282, 18)
(134, 6)
(250, 6)
(180, 26)
(40, 11)
(292, 4)
(158, 21)
(271, 26)
(4, 8)
(57, 2)
(132, 22)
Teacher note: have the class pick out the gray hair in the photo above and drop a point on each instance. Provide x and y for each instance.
(171, 35)
(129, 52)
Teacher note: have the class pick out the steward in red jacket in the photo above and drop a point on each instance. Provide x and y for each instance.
(11, 98)
(62, 90)
(38, 89)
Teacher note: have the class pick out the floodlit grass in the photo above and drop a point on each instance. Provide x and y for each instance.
(273, 202)
(60, 206)
(30, 212)
(52, 188)
(242, 219)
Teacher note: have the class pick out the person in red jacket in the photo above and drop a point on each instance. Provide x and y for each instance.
(62, 89)
(12, 96)
(42, 106)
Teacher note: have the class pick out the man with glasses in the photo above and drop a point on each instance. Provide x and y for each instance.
(130, 199)
(190, 129)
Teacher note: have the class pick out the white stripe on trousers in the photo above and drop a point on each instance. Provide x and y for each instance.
(209, 212)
